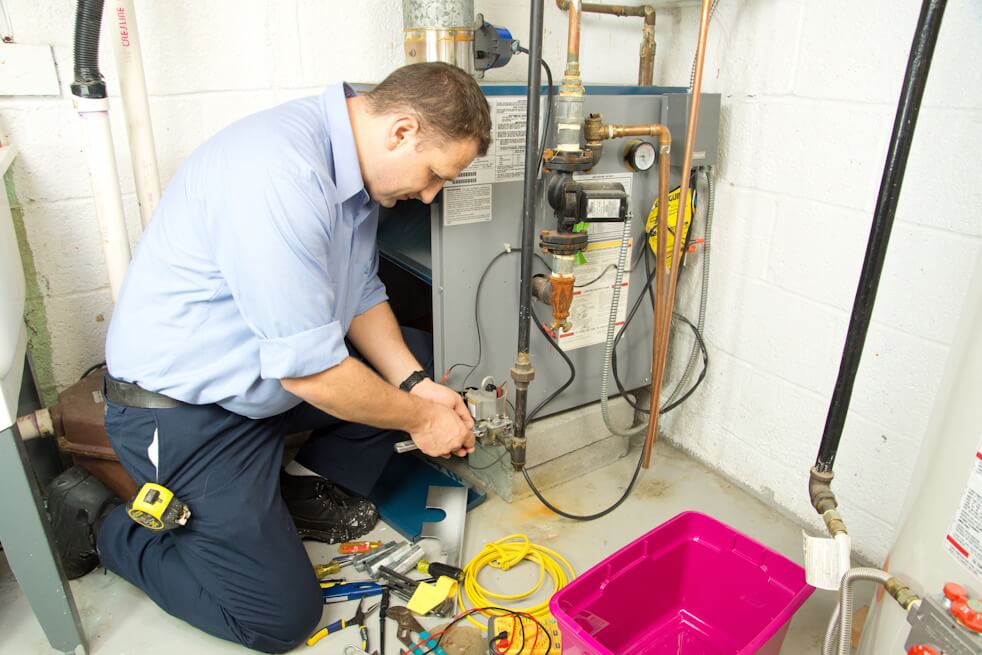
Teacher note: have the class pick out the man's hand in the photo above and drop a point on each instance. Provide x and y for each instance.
(440, 394)
(440, 431)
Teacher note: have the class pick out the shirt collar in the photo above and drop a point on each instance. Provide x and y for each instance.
(347, 170)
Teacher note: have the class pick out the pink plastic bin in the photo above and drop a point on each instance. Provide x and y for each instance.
(691, 586)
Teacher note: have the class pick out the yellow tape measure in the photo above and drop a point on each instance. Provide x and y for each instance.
(154, 506)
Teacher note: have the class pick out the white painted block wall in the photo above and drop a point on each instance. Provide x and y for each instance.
(809, 90)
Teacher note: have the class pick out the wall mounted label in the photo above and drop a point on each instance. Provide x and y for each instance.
(467, 204)
(590, 311)
(964, 538)
(505, 160)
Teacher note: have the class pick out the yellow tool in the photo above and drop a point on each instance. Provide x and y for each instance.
(154, 506)
(522, 635)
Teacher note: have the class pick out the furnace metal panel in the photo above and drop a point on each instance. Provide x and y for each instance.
(459, 254)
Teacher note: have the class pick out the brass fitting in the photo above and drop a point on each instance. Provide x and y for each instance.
(902, 593)
(834, 522)
(820, 490)
(522, 371)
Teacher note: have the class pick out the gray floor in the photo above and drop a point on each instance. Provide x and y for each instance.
(119, 619)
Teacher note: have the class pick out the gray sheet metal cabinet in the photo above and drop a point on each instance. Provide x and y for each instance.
(450, 244)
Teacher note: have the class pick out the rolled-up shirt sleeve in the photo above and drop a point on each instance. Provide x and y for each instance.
(271, 245)
(373, 292)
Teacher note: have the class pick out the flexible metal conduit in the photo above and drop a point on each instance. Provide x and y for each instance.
(908, 107)
(609, 340)
(710, 189)
(522, 371)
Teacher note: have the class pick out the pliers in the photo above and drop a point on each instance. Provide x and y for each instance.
(339, 625)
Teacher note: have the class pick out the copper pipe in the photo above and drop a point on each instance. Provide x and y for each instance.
(595, 131)
(665, 315)
(573, 40)
(646, 64)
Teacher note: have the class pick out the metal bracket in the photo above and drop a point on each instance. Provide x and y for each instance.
(450, 531)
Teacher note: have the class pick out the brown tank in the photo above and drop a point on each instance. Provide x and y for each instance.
(79, 428)
(78, 424)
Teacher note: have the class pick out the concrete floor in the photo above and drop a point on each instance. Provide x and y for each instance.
(119, 619)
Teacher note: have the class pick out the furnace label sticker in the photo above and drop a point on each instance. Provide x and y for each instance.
(505, 160)
(590, 311)
(964, 538)
(467, 204)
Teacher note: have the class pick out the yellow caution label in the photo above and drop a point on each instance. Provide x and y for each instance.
(653, 225)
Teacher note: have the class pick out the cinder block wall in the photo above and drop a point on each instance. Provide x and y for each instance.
(809, 95)
(809, 90)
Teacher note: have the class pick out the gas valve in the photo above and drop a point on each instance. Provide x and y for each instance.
(488, 407)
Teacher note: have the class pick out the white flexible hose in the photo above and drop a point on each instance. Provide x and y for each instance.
(609, 341)
(842, 645)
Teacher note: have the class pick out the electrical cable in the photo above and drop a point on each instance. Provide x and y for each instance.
(504, 554)
(477, 315)
(504, 611)
(706, 175)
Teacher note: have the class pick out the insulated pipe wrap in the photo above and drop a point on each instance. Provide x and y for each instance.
(437, 14)
(89, 82)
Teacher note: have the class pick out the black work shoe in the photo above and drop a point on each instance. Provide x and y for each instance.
(77, 500)
(322, 511)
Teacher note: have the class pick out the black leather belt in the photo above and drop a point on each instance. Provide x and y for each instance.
(131, 395)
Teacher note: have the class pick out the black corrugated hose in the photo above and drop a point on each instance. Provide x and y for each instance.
(89, 82)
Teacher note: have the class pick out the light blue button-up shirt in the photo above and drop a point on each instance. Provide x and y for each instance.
(260, 254)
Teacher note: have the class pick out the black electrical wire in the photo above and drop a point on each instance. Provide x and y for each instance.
(505, 611)
(549, 93)
(695, 332)
(477, 316)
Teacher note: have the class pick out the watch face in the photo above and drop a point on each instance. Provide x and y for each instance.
(641, 155)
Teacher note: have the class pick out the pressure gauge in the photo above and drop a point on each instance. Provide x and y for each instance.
(640, 155)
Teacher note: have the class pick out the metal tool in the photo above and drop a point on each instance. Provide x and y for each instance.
(407, 626)
(339, 593)
(331, 568)
(361, 561)
(403, 558)
(383, 608)
(404, 587)
(358, 619)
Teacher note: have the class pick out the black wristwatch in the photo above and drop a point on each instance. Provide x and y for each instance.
(414, 378)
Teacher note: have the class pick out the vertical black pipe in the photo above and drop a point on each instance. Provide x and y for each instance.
(522, 372)
(918, 65)
(531, 175)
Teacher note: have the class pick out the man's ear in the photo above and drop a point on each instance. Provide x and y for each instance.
(403, 130)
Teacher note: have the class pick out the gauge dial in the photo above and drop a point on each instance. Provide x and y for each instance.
(640, 155)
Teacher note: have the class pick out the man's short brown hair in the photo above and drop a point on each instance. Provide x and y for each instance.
(444, 98)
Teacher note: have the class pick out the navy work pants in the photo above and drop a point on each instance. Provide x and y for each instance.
(238, 569)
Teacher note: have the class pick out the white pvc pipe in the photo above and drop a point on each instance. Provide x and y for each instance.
(97, 140)
(133, 88)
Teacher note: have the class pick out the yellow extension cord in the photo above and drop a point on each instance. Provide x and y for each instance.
(504, 554)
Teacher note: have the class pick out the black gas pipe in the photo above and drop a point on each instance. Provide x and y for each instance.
(915, 79)
(522, 372)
